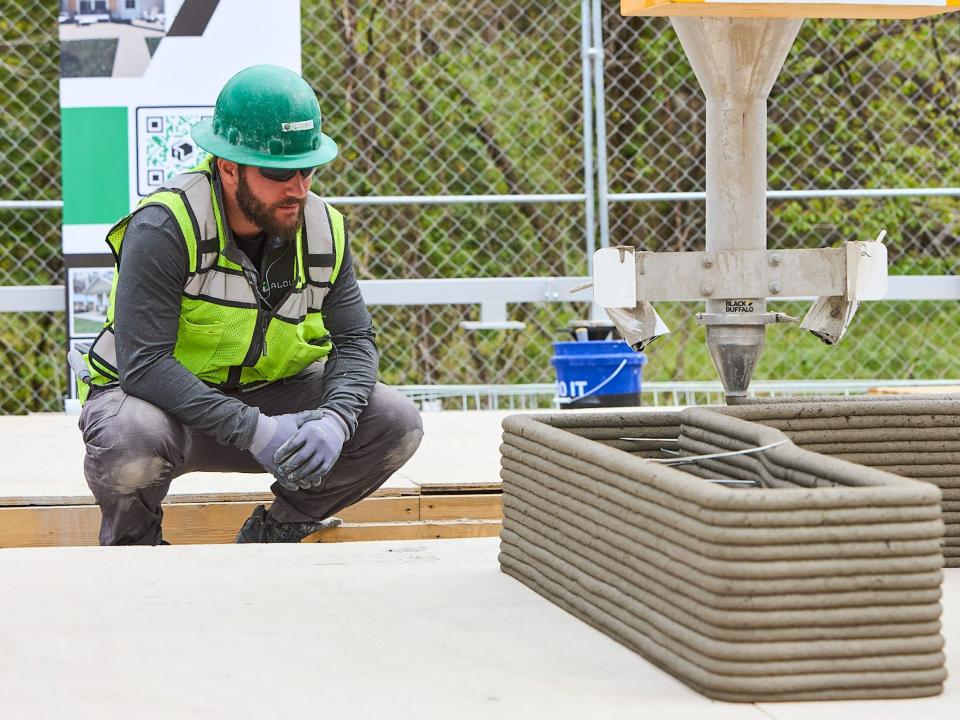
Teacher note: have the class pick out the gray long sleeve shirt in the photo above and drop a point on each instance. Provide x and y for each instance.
(153, 271)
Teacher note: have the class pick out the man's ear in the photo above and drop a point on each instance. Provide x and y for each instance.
(229, 172)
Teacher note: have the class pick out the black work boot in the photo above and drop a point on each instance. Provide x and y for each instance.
(261, 528)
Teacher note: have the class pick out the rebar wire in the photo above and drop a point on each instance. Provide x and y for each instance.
(664, 440)
(686, 459)
(731, 482)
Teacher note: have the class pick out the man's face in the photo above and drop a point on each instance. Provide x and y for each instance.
(275, 207)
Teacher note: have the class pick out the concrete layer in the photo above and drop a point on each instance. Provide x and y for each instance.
(907, 655)
(459, 449)
(658, 594)
(631, 495)
(569, 534)
(923, 448)
(746, 657)
(652, 525)
(691, 588)
(406, 630)
(874, 400)
(48, 467)
(611, 619)
(806, 438)
(883, 489)
(912, 437)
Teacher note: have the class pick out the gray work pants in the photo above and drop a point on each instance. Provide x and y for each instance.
(135, 449)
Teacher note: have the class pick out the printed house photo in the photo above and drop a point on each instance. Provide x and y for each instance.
(89, 299)
(109, 38)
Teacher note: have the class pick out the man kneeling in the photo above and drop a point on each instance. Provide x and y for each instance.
(237, 339)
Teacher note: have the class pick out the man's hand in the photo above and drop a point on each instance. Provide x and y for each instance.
(310, 454)
(271, 433)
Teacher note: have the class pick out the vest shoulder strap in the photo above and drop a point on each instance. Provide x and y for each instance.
(324, 229)
(339, 228)
(189, 197)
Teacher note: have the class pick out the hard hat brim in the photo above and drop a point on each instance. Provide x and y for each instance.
(203, 135)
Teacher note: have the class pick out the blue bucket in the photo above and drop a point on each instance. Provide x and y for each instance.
(597, 373)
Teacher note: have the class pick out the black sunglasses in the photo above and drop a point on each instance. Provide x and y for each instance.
(282, 175)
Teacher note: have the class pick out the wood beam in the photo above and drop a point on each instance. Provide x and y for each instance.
(409, 517)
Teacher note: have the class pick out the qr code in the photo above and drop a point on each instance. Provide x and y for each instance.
(164, 145)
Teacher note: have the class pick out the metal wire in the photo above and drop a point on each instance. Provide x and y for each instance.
(688, 459)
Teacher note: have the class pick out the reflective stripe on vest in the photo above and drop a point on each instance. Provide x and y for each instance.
(225, 337)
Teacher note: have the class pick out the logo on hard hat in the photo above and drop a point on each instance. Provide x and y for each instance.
(302, 125)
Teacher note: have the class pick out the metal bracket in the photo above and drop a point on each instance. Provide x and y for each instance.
(744, 318)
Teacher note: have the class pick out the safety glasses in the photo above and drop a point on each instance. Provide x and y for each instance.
(282, 175)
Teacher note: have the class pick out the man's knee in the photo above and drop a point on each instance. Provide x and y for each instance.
(396, 420)
(132, 445)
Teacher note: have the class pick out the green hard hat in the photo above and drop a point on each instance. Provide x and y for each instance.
(266, 116)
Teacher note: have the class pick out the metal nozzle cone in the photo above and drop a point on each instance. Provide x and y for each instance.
(735, 350)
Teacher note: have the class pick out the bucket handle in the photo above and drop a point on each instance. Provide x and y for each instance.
(607, 380)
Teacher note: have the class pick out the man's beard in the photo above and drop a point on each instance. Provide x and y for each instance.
(263, 215)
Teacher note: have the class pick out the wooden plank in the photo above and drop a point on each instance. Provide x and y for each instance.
(375, 518)
(219, 522)
(45, 500)
(63, 526)
(453, 488)
(201, 523)
(387, 509)
(437, 530)
(176, 498)
(851, 11)
(184, 523)
(461, 507)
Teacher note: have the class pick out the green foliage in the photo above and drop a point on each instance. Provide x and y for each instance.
(904, 335)
(32, 361)
(435, 98)
(428, 98)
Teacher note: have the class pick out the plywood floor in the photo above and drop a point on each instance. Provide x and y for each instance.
(43, 462)
(450, 488)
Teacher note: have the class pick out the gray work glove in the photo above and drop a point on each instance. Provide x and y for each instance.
(310, 454)
(272, 432)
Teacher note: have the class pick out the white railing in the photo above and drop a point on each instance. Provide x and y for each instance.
(534, 396)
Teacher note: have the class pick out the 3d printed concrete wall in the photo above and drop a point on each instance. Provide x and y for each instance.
(822, 584)
(917, 437)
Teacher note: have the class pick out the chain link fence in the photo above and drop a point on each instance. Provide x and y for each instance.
(435, 98)
(859, 104)
(430, 99)
(31, 344)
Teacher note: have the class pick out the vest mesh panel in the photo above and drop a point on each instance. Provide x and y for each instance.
(235, 337)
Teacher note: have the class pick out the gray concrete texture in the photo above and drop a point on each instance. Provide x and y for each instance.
(345, 630)
(913, 437)
(458, 449)
(916, 437)
(822, 584)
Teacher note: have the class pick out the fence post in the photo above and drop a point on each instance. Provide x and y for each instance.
(601, 127)
(588, 181)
